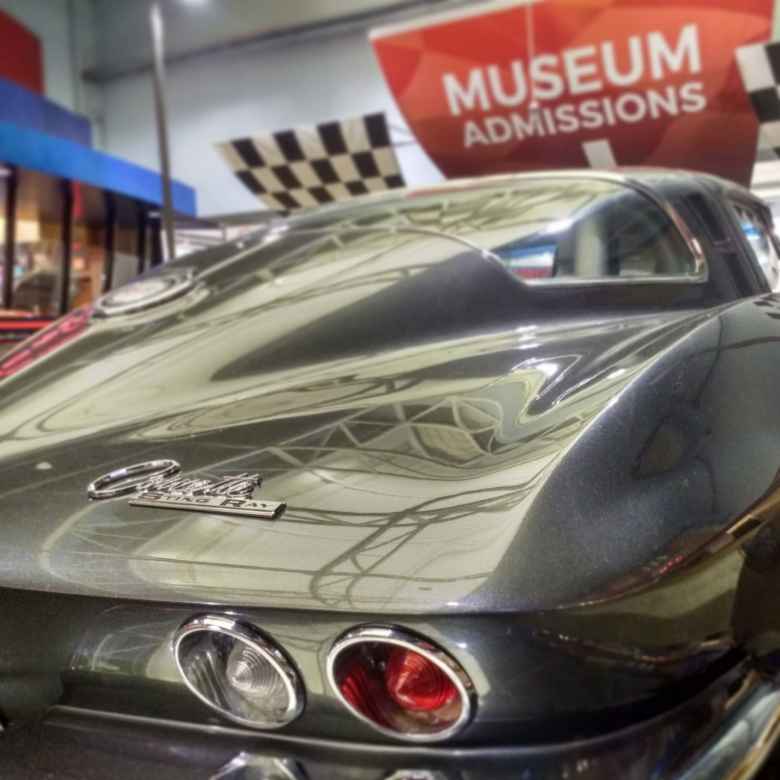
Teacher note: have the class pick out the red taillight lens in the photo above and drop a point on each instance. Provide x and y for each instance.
(363, 690)
(415, 683)
(402, 685)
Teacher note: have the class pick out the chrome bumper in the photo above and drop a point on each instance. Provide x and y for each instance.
(726, 732)
(743, 740)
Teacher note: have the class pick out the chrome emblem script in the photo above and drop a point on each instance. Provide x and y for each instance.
(156, 484)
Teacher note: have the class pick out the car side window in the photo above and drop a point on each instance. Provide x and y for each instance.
(758, 235)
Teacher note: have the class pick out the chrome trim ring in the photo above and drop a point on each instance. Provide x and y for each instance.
(390, 635)
(99, 488)
(251, 636)
(163, 288)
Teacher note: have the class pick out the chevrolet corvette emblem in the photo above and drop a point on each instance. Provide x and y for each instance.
(156, 484)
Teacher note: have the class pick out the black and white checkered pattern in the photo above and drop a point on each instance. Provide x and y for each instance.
(759, 64)
(309, 166)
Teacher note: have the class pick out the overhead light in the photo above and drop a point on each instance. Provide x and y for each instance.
(28, 231)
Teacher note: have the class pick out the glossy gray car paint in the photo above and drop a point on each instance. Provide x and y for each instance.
(562, 498)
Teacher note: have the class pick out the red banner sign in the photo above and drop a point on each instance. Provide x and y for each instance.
(21, 60)
(515, 85)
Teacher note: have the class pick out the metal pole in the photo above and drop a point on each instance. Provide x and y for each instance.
(109, 202)
(10, 238)
(156, 28)
(156, 247)
(141, 224)
(67, 243)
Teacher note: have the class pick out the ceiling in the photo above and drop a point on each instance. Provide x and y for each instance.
(197, 27)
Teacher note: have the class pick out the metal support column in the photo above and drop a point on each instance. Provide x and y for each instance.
(158, 43)
(157, 244)
(67, 243)
(9, 256)
(141, 243)
(110, 246)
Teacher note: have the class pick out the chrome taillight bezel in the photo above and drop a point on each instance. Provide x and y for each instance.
(251, 636)
(392, 635)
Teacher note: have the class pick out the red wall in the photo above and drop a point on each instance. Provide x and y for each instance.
(20, 55)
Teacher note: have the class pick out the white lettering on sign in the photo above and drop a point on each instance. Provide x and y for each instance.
(665, 60)
(635, 63)
(474, 92)
(548, 83)
(579, 71)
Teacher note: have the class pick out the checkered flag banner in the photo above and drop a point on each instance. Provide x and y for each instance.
(308, 166)
(759, 64)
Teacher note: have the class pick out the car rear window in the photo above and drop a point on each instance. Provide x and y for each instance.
(551, 229)
(620, 234)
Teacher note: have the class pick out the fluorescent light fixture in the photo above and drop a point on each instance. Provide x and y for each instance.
(28, 231)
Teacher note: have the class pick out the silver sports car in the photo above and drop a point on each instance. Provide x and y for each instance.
(474, 482)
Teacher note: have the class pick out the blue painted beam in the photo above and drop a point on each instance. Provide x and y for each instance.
(27, 109)
(68, 160)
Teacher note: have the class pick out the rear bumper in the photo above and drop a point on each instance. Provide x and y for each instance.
(728, 731)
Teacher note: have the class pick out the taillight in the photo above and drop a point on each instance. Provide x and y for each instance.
(401, 684)
(46, 341)
(237, 671)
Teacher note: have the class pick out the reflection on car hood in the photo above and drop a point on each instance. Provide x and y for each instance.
(434, 454)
